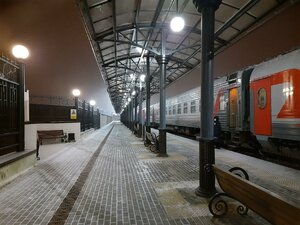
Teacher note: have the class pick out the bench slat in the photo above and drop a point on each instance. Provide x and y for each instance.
(50, 134)
(265, 203)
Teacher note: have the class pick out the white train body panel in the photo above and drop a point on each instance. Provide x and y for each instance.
(275, 102)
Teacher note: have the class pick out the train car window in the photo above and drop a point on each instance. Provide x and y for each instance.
(170, 110)
(174, 109)
(179, 109)
(185, 108)
(193, 106)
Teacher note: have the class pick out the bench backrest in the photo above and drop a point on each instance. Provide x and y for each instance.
(269, 205)
(50, 132)
(149, 136)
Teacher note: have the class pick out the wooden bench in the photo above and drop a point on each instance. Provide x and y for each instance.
(152, 141)
(272, 207)
(50, 134)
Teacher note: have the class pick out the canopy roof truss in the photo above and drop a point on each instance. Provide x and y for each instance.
(123, 32)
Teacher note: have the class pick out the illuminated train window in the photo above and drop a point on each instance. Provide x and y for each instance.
(185, 108)
(262, 98)
(179, 109)
(193, 106)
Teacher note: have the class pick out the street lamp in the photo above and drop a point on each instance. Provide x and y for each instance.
(76, 92)
(92, 102)
(20, 52)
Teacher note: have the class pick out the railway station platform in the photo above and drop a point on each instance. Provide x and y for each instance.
(109, 177)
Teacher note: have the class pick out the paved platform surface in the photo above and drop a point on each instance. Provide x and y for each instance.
(122, 182)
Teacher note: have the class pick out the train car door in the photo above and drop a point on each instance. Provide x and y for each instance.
(262, 106)
(233, 107)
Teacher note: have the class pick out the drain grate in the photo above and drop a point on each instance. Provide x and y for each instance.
(62, 213)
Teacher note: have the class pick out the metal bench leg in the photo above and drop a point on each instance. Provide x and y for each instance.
(217, 205)
(37, 150)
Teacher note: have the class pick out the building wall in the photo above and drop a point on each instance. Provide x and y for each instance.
(31, 131)
(276, 36)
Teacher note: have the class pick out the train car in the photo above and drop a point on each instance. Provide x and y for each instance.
(275, 104)
(258, 107)
(231, 105)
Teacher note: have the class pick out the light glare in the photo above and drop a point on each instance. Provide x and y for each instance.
(142, 77)
(92, 102)
(177, 24)
(20, 52)
(76, 92)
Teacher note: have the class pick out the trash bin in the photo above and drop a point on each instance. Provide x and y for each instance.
(71, 137)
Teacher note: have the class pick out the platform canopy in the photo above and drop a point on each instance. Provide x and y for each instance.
(123, 32)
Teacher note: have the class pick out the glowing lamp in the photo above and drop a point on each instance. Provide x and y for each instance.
(20, 52)
(177, 24)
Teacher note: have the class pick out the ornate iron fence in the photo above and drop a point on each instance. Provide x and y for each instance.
(58, 109)
(11, 106)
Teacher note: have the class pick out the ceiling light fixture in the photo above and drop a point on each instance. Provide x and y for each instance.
(177, 23)
(142, 77)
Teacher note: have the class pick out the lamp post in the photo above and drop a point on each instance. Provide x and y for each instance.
(76, 93)
(21, 52)
(92, 104)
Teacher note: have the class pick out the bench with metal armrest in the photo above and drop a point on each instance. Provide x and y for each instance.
(267, 204)
(152, 141)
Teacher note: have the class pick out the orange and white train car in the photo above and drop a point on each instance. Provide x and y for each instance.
(275, 104)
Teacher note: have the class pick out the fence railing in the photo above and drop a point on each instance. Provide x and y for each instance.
(61, 109)
(11, 106)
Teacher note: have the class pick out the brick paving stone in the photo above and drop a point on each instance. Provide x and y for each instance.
(130, 185)
(33, 197)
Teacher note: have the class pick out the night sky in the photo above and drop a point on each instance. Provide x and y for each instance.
(60, 54)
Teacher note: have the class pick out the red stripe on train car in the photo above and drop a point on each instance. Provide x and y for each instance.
(291, 107)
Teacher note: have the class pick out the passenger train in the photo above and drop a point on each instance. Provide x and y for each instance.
(258, 107)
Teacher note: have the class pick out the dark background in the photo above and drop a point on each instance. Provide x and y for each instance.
(60, 54)
(61, 57)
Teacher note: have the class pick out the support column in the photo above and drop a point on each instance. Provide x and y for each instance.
(162, 60)
(140, 132)
(148, 129)
(21, 77)
(130, 115)
(135, 109)
(206, 144)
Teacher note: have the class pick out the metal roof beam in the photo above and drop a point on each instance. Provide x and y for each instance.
(141, 26)
(236, 16)
(130, 43)
(99, 4)
(123, 57)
